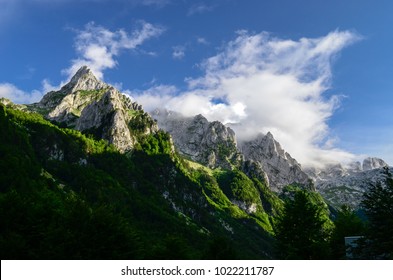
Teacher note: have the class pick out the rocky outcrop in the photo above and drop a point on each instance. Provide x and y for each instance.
(107, 118)
(66, 104)
(280, 168)
(209, 143)
(94, 107)
(340, 184)
(371, 163)
(254, 169)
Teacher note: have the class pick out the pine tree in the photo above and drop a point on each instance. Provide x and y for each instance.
(301, 231)
(378, 206)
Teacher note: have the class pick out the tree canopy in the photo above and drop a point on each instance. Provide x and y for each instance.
(301, 231)
(378, 206)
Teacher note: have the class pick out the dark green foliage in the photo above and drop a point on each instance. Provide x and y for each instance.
(220, 248)
(48, 224)
(154, 144)
(140, 122)
(271, 203)
(236, 185)
(301, 231)
(378, 207)
(347, 223)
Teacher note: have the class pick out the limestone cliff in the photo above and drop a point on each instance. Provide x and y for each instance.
(96, 108)
(281, 169)
(345, 184)
(209, 143)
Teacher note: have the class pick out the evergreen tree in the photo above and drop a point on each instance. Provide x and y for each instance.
(301, 231)
(378, 206)
(347, 223)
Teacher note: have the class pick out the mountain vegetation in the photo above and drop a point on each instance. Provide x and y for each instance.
(378, 206)
(304, 229)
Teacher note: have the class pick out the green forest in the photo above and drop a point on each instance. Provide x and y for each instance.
(69, 195)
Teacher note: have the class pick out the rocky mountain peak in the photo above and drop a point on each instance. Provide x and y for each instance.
(92, 106)
(84, 79)
(345, 184)
(210, 143)
(371, 163)
(337, 170)
(280, 167)
(83, 82)
(268, 135)
(214, 145)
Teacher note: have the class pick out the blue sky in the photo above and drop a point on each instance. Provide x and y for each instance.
(317, 74)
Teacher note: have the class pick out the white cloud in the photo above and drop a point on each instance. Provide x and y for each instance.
(269, 84)
(199, 8)
(178, 52)
(19, 96)
(97, 46)
(202, 41)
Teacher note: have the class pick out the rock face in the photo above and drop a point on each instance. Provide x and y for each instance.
(91, 106)
(66, 105)
(340, 184)
(213, 144)
(209, 143)
(280, 168)
(371, 163)
(107, 118)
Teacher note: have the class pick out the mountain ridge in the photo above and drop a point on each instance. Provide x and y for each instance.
(340, 184)
(262, 157)
(94, 107)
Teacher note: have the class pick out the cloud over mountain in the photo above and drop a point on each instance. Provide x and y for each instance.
(262, 83)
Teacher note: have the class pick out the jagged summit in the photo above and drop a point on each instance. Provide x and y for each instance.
(210, 143)
(268, 135)
(215, 145)
(345, 184)
(83, 71)
(92, 106)
(371, 163)
(280, 167)
(84, 79)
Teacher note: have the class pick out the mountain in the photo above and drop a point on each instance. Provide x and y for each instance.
(281, 169)
(215, 145)
(87, 174)
(91, 106)
(209, 143)
(340, 184)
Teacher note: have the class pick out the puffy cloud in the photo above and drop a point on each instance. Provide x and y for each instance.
(260, 83)
(155, 96)
(97, 46)
(19, 96)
